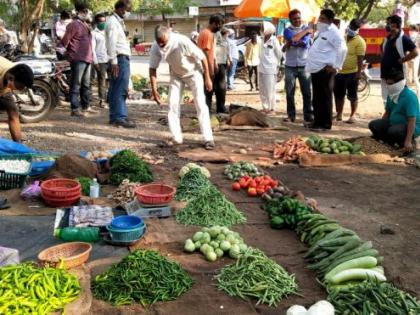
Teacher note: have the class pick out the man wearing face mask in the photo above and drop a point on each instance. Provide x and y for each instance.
(186, 62)
(347, 80)
(325, 58)
(78, 43)
(100, 56)
(397, 50)
(400, 123)
(119, 52)
(207, 42)
(13, 77)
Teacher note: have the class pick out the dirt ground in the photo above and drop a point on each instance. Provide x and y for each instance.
(361, 197)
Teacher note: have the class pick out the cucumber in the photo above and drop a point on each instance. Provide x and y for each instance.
(368, 252)
(362, 262)
(332, 235)
(356, 274)
(338, 241)
(326, 150)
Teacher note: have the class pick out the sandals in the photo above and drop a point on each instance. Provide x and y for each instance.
(209, 145)
(351, 120)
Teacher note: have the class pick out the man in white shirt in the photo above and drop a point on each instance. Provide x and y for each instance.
(186, 63)
(100, 56)
(234, 57)
(326, 56)
(60, 30)
(119, 53)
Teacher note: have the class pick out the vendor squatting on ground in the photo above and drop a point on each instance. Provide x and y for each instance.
(202, 63)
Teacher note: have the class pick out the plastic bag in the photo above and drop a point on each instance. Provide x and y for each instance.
(32, 191)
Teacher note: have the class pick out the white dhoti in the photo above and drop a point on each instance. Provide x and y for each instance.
(267, 85)
(196, 85)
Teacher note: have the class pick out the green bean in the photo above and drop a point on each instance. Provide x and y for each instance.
(143, 276)
(255, 275)
(191, 184)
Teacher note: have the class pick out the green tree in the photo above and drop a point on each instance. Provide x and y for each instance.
(349, 9)
(164, 7)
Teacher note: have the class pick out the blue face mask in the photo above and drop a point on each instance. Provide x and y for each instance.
(351, 33)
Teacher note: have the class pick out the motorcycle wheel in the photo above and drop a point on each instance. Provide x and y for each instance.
(36, 104)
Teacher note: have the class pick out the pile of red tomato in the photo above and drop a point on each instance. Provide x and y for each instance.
(256, 186)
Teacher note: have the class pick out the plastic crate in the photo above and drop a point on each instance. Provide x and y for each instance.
(13, 180)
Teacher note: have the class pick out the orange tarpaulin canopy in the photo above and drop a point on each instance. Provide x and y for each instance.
(277, 8)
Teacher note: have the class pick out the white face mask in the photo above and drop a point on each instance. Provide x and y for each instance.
(394, 90)
(413, 34)
(322, 27)
(126, 15)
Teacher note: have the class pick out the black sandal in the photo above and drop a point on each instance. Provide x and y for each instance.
(209, 145)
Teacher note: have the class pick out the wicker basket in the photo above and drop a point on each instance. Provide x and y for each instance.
(73, 254)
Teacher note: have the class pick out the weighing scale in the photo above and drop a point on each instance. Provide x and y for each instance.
(148, 211)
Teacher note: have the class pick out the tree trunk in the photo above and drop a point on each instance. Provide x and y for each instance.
(31, 12)
(368, 9)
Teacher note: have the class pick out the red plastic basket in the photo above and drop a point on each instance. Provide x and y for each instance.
(155, 194)
(61, 202)
(61, 188)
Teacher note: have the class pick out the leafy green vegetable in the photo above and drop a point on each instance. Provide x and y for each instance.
(255, 275)
(191, 184)
(208, 208)
(127, 165)
(85, 182)
(143, 276)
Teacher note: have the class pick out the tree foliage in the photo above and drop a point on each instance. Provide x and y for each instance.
(164, 7)
(349, 9)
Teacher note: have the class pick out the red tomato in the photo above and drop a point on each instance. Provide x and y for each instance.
(260, 190)
(252, 192)
(252, 184)
(265, 182)
(243, 182)
(275, 183)
(236, 186)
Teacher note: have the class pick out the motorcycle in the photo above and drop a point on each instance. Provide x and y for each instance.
(50, 84)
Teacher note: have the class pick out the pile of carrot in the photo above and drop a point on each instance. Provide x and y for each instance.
(291, 149)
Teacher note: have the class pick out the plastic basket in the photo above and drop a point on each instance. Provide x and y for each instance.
(126, 222)
(155, 194)
(73, 254)
(61, 188)
(61, 202)
(126, 235)
(12, 180)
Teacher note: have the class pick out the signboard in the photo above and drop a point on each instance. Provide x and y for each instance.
(193, 11)
(230, 2)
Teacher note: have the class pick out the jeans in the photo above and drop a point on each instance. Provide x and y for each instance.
(391, 134)
(80, 85)
(219, 88)
(231, 73)
(305, 87)
(322, 101)
(101, 77)
(118, 91)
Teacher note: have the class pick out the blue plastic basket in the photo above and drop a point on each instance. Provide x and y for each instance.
(126, 222)
(125, 235)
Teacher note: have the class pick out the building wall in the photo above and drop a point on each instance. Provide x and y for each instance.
(184, 25)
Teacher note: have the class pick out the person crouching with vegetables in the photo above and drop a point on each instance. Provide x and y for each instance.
(13, 77)
(186, 62)
(400, 123)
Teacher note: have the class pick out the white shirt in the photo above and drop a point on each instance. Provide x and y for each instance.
(328, 49)
(233, 49)
(99, 52)
(116, 41)
(414, 14)
(270, 56)
(221, 49)
(182, 55)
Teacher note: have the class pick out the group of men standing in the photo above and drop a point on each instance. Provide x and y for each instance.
(104, 46)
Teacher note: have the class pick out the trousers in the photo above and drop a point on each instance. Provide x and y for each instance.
(118, 91)
(293, 73)
(391, 134)
(219, 88)
(267, 83)
(322, 99)
(176, 87)
(80, 85)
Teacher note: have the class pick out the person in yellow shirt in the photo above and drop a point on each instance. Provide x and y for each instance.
(13, 77)
(347, 80)
(252, 59)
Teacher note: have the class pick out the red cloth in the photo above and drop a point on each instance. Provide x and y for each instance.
(78, 42)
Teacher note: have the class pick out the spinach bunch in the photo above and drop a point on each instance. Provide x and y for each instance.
(127, 165)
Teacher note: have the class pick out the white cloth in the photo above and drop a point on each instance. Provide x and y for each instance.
(414, 14)
(233, 49)
(328, 49)
(100, 54)
(196, 85)
(60, 28)
(267, 84)
(182, 55)
(268, 28)
(270, 56)
(413, 71)
(221, 49)
(116, 41)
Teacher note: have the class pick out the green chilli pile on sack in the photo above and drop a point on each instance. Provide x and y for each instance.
(285, 212)
(27, 289)
(143, 276)
(333, 146)
(215, 242)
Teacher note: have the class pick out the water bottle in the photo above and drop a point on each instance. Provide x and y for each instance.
(74, 234)
(94, 189)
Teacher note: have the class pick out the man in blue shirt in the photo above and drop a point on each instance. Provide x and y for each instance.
(400, 123)
(298, 41)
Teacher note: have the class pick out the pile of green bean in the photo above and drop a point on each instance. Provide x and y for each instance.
(373, 298)
(257, 276)
(143, 276)
(26, 289)
(208, 208)
(191, 184)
